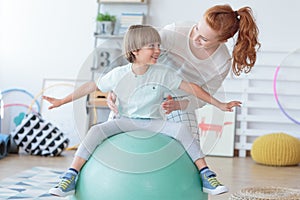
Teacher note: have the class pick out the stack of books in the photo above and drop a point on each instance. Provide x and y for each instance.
(128, 19)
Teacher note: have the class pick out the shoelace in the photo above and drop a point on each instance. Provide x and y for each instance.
(65, 183)
(214, 182)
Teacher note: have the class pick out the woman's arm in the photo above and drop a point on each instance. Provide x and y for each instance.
(82, 91)
(203, 95)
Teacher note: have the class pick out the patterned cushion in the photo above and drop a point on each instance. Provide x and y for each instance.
(276, 149)
(39, 137)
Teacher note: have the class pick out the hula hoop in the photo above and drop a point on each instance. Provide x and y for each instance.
(277, 99)
(18, 104)
(25, 92)
(46, 88)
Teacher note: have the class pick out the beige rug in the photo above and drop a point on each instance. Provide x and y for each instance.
(266, 193)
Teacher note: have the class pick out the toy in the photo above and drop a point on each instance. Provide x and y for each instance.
(277, 99)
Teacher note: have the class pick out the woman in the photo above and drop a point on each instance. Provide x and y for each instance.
(199, 54)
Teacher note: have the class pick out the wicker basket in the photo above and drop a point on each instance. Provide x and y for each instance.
(266, 193)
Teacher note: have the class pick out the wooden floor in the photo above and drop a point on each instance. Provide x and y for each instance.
(236, 173)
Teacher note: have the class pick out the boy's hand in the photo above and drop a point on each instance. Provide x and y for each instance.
(55, 102)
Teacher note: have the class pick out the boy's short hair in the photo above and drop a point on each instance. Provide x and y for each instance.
(138, 36)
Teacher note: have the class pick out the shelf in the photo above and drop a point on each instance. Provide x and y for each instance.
(101, 36)
(123, 1)
(97, 106)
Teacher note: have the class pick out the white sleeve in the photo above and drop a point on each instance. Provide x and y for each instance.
(107, 82)
(166, 34)
(212, 86)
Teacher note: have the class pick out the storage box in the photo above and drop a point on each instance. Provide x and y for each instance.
(98, 98)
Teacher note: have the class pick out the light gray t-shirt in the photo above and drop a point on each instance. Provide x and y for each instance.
(140, 96)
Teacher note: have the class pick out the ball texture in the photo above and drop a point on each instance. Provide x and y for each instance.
(276, 149)
(139, 165)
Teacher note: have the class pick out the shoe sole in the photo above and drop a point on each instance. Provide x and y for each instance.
(216, 191)
(58, 193)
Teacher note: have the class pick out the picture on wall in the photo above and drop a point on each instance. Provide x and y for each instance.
(216, 131)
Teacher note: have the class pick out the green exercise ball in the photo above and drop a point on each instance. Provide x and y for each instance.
(139, 165)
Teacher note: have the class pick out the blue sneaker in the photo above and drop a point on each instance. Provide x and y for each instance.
(66, 185)
(211, 185)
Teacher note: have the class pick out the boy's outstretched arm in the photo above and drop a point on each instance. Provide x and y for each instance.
(82, 91)
(205, 96)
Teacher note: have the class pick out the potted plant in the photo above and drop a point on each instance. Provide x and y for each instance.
(105, 24)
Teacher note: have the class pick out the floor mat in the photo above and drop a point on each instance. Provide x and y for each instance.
(32, 184)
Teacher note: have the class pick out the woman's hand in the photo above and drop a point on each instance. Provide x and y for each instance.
(228, 106)
(55, 102)
(111, 102)
(169, 105)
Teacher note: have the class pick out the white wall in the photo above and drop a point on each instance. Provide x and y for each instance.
(51, 39)
(277, 20)
(43, 39)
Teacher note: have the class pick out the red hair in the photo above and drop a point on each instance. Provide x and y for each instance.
(227, 22)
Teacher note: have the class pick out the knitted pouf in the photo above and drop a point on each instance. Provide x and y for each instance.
(276, 149)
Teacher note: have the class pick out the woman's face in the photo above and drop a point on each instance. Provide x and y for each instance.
(203, 36)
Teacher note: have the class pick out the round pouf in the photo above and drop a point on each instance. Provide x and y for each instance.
(276, 149)
(139, 165)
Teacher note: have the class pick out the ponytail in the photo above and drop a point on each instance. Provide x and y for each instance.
(227, 22)
(246, 46)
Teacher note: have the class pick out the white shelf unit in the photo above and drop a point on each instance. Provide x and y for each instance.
(111, 45)
(260, 113)
(117, 7)
(108, 48)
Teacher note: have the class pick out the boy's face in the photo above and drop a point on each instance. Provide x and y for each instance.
(148, 54)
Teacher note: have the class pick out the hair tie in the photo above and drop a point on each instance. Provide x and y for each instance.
(237, 15)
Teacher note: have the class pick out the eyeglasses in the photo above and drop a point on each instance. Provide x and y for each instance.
(152, 46)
